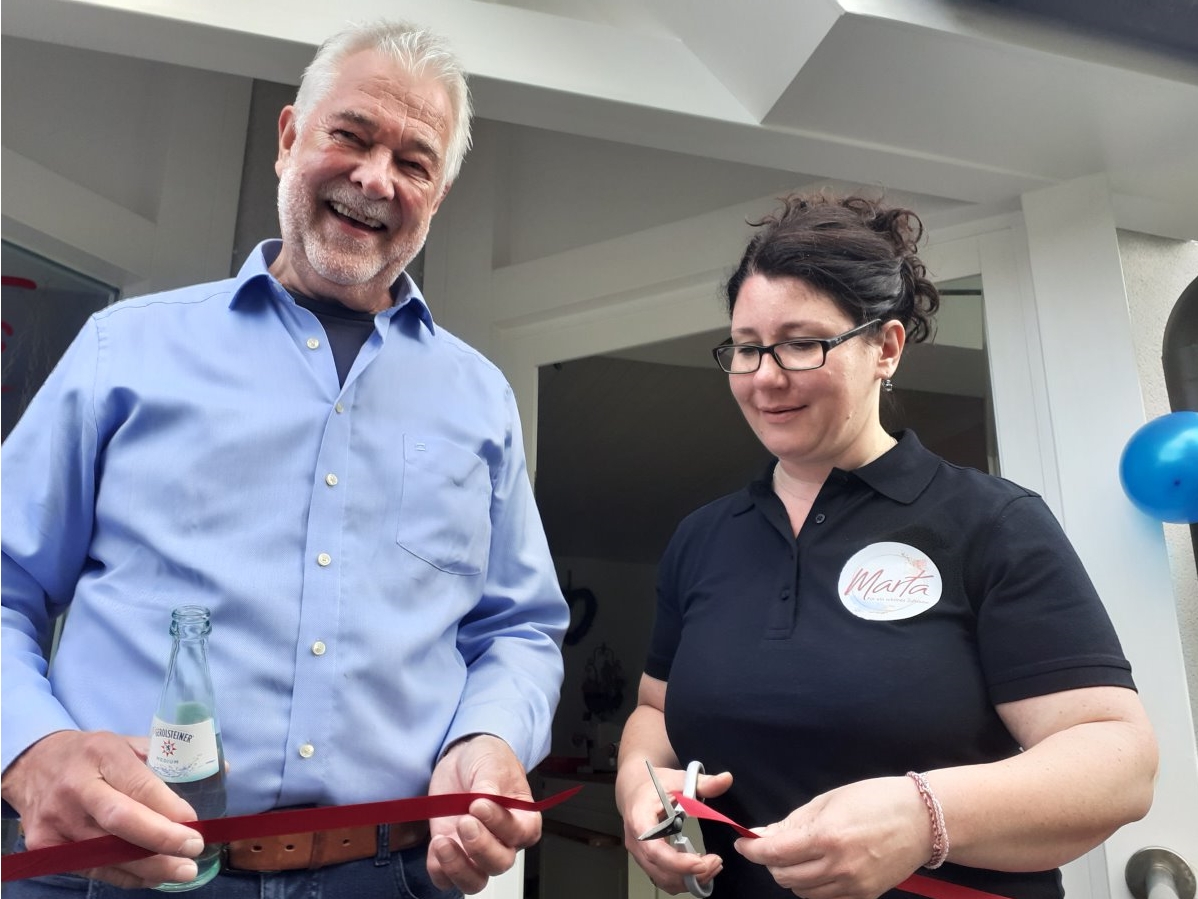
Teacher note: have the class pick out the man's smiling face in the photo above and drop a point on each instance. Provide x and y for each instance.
(360, 178)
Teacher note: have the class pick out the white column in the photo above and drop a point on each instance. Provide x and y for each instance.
(458, 255)
(201, 178)
(1095, 404)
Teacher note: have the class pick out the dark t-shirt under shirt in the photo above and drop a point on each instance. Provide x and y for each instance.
(346, 329)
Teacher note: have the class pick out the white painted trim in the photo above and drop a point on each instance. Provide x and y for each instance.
(1095, 404)
(1150, 216)
(1017, 379)
(35, 197)
(520, 349)
(190, 238)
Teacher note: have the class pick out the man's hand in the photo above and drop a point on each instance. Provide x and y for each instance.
(73, 785)
(466, 851)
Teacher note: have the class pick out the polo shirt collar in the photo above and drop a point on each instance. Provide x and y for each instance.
(256, 271)
(901, 473)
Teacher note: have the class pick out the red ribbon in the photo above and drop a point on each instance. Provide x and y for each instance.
(916, 883)
(697, 809)
(112, 850)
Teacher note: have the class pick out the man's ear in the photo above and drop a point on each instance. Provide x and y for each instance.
(287, 135)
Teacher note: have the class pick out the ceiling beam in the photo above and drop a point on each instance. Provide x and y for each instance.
(755, 47)
(273, 40)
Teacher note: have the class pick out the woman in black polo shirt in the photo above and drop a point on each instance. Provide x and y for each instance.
(897, 664)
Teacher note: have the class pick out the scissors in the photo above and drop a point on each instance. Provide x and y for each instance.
(671, 826)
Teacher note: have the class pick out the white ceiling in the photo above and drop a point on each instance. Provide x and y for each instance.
(968, 101)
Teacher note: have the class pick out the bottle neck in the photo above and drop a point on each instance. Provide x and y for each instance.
(190, 623)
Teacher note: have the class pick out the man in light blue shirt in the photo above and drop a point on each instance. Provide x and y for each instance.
(340, 480)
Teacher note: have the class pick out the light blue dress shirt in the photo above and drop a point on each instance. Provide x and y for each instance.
(378, 575)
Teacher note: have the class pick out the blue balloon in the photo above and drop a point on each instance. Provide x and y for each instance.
(1159, 468)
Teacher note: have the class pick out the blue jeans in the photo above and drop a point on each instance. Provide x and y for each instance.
(399, 875)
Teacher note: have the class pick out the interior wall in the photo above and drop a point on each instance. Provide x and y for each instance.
(611, 498)
(625, 602)
(607, 491)
(1155, 272)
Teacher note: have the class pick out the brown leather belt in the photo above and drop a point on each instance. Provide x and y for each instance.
(316, 850)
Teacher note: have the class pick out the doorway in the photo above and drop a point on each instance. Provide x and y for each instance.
(630, 441)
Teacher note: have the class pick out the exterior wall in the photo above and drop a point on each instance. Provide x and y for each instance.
(164, 210)
(1155, 272)
(257, 211)
(133, 176)
(156, 196)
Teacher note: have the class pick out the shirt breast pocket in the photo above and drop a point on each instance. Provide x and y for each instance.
(445, 506)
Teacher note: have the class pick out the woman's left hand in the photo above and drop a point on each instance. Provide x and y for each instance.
(854, 842)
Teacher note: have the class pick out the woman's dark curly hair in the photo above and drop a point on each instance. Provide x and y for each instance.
(859, 252)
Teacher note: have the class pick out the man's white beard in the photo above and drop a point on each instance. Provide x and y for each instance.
(338, 260)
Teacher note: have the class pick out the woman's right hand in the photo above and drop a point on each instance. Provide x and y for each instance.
(666, 866)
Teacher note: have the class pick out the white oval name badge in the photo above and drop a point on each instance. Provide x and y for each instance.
(889, 581)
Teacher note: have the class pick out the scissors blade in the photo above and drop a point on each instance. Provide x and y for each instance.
(664, 829)
(666, 802)
(673, 820)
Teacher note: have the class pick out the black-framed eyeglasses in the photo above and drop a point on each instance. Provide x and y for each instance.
(801, 354)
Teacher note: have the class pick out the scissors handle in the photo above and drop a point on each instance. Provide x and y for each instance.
(698, 889)
(672, 823)
(681, 842)
(691, 784)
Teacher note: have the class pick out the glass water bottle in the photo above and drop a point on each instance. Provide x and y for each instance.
(185, 745)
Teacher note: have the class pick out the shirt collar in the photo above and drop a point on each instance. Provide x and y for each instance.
(759, 488)
(901, 473)
(256, 271)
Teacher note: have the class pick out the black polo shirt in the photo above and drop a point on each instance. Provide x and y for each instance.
(917, 595)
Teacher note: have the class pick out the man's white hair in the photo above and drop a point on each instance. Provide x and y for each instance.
(420, 52)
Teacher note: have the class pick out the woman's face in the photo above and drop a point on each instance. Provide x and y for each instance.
(826, 416)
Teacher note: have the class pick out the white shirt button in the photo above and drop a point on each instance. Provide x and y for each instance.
(324, 560)
(307, 751)
(338, 408)
(330, 479)
(313, 343)
(318, 648)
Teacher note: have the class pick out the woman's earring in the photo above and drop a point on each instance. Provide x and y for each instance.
(887, 385)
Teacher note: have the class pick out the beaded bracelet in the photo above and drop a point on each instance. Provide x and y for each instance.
(936, 813)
